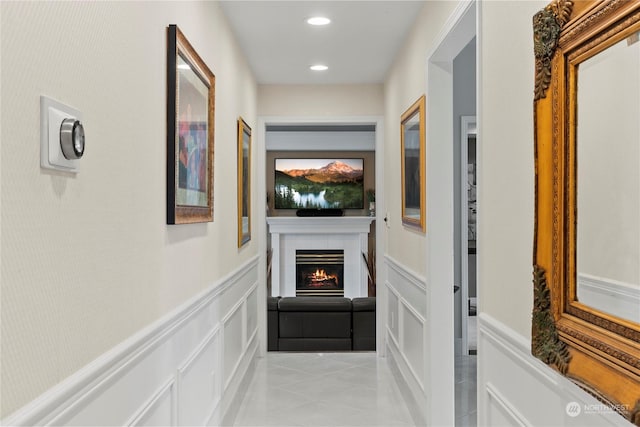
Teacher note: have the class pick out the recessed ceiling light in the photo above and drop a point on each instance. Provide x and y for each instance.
(319, 67)
(318, 20)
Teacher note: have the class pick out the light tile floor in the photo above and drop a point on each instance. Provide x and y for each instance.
(322, 389)
(466, 386)
(338, 389)
(466, 390)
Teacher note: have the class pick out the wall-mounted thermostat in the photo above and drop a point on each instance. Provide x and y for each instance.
(61, 136)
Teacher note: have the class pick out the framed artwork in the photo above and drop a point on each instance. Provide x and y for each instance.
(190, 125)
(412, 140)
(244, 182)
(585, 320)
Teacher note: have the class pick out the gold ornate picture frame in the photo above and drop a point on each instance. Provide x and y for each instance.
(244, 182)
(412, 142)
(596, 349)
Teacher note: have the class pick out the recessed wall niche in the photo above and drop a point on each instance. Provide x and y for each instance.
(320, 141)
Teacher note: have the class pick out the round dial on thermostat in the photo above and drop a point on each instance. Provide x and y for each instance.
(72, 139)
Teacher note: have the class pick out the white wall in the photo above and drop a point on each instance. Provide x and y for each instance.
(608, 157)
(321, 140)
(416, 279)
(320, 100)
(514, 388)
(405, 83)
(88, 260)
(505, 157)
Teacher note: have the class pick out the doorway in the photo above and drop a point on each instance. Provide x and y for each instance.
(365, 140)
(442, 129)
(468, 233)
(465, 210)
(466, 360)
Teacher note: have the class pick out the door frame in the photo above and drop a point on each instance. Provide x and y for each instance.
(260, 154)
(457, 32)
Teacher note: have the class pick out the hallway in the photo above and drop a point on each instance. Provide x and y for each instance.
(322, 389)
(336, 389)
(114, 313)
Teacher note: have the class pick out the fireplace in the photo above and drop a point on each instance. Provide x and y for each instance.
(319, 272)
(292, 233)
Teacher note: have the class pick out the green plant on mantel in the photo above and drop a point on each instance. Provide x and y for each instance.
(371, 195)
(370, 262)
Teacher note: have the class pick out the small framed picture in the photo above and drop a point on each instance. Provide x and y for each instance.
(412, 141)
(244, 182)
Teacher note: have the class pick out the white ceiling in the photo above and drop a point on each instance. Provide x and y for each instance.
(359, 45)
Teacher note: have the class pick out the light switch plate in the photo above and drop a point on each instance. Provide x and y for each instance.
(52, 113)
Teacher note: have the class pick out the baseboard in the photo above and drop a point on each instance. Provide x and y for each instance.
(171, 372)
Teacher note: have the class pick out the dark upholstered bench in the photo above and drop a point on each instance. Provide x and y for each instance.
(272, 323)
(321, 324)
(314, 324)
(364, 323)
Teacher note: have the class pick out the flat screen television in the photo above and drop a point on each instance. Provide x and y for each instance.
(319, 184)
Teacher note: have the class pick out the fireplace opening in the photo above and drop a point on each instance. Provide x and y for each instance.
(319, 272)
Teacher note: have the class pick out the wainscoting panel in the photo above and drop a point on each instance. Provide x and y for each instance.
(393, 305)
(406, 334)
(252, 312)
(160, 410)
(408, 285)
(241, 284)
(181, 370)
(413, 336)
(198, 382)
(500, 410)
(234, 339)
(515, 388)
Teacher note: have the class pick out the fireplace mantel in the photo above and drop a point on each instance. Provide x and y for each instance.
(350, 233)
(319, 225)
